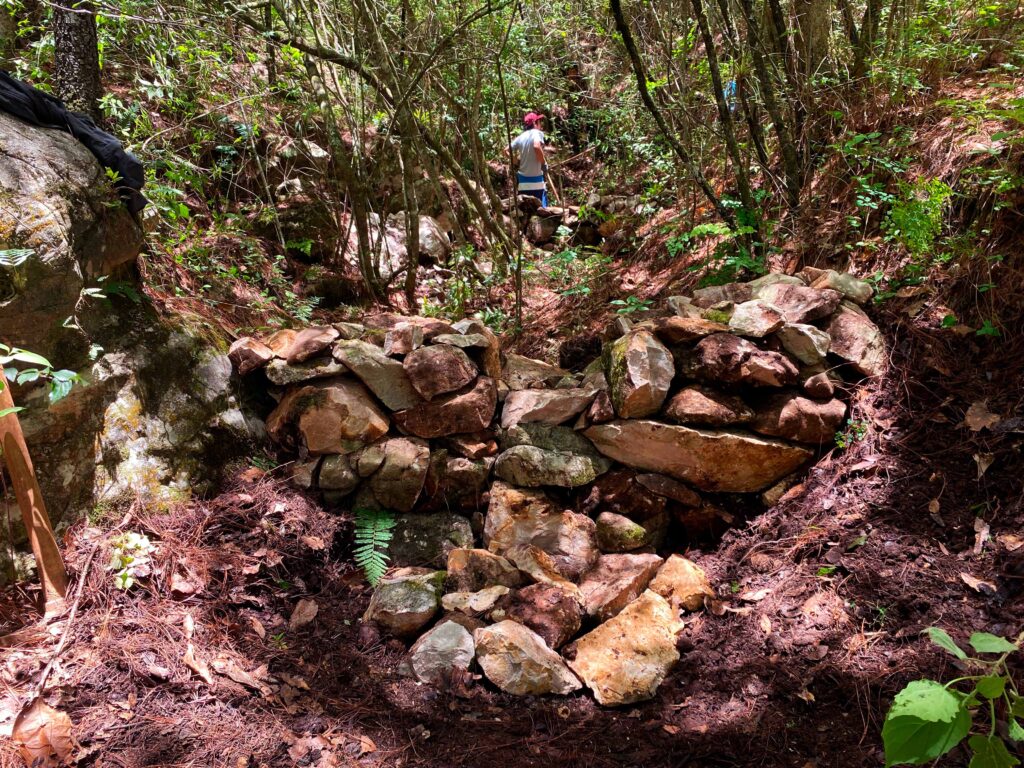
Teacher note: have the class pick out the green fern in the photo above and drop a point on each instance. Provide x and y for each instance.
(373, 532)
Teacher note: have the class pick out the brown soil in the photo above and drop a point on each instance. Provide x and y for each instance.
(822, 601)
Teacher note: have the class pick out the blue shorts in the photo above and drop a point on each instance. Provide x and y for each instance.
(533, 186)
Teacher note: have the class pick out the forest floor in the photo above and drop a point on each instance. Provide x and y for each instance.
(213, 659)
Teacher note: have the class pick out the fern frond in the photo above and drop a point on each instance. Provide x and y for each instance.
(373, 533)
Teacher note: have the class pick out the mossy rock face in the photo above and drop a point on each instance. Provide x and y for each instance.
(57, 203)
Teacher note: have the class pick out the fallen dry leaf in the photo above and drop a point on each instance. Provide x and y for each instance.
(672, 729)
(366, 745)
(1011, 541)
(305, 611)
(258, 628)
(982, 533)
(313, 542)
(766, 625)
(984, 461)
(933, 506)
(197, 665)
(227, 667)
(979, 585)
(756, 596)
(979, 417)
(181, 585)
(43, 735)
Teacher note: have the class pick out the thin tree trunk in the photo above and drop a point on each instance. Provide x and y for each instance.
(76, 58)
(645, 96)
(724, 115)
(790, 158)
(8, 30)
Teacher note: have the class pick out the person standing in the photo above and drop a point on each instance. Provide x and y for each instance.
(528, 149)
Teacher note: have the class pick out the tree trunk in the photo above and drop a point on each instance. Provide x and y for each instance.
(76, 58)
(814, 23)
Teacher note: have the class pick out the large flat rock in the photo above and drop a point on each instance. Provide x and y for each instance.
(711, 460)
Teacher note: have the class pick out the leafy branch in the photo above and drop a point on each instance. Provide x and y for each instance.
(928, 718)
(373, 534)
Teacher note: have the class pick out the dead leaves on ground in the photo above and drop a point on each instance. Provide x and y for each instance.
(43, 735)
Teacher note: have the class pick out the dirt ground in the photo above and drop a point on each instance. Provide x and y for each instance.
(821, 602)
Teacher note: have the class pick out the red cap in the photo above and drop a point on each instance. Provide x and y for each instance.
(532, 117)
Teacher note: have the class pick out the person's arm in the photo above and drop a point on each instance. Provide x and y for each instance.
(538, 150)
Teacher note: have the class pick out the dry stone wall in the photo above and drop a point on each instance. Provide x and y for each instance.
(534, 503)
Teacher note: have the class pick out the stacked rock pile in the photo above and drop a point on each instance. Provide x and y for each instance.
(570, 481)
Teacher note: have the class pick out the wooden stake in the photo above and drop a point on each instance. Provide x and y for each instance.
(52, 574)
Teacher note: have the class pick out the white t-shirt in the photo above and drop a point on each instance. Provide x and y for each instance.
(529, 165)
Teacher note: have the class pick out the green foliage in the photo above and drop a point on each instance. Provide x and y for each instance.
(129, 558)
(927, 719)
(373, 533)
(915, 219)
(14, 257)
(855, 432)
(59, 381)
(631, 304)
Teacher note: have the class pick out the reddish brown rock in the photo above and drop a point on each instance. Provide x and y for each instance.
(248, 355)
(516, 518)
(470, 570)
(386, 321)
(681, 330)
(615, 582)
(707, 407)
(525, 373)
(548, 610)
(858, 341)
(403, 339)
(710, 460)
(732, 360)
(819, 385)
(467, 411)
(479, 445)
(716, 294)
(338, 416)
(682, 582)
(620, 493)
(439, 369)
(279, 342)
(670, 489)
(311, 342)
(800, 304)
(385, 377)
(756, 318)
(601, 410)
(800, 418)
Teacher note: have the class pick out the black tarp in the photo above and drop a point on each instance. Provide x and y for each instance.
(38, 108)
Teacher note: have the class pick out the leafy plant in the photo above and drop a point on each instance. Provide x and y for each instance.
(927, 719)
(374, 529)
(915, 220)
(60, 381)
(630, 304)
(129, 558)
(855, 432)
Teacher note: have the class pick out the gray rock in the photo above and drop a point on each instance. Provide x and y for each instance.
(470, 570)
(464, 341)
(283, 373)
(427, 539)
(852, 288)
(382, 375)
(518, 661)
(639, 370)
(532, 467)
(524, 373)
(406, 600)
(756, 319)
(399, 480)
(336, 475)
(799, 303)
(545, 406)
(617, 533)
(445, 650)
(806, 343)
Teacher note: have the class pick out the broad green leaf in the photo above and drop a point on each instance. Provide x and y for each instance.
(9, 411)
(992, 686)
(990, 752)
(1016, 732)
(912, 740)
(1017, 705)
(942, 639)
(31, 358)
(983, 642)
(926, 700)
